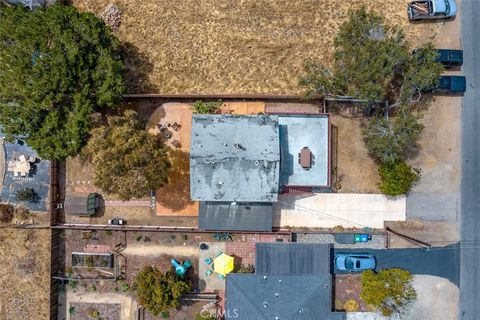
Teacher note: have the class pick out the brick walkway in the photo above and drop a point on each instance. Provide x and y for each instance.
(243, 246)
(133, 203)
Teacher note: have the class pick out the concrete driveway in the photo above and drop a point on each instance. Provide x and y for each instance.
(326, 210)
(440, 261)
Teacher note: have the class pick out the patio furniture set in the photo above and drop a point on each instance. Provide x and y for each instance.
(181, 268)
(21, 166)
(163, 130)
(305, 158)
(222, 265)
(223, 236)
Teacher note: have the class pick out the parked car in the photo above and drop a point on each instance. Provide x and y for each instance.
(355, 261)
(116, 221)
(431, 9)
(451, 85)
(450, 58)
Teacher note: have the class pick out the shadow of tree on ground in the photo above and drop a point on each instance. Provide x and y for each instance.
(139, 68)
(176, 194)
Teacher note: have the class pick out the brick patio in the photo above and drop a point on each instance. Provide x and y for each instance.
(243, 246)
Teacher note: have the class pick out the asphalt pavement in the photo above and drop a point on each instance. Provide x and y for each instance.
(470, 186)
(441, 262)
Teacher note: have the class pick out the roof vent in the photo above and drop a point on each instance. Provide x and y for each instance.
(300, 311)
(279, 280)
(257, 163)
(220, 182)
(238, 146)
(277, 294)
(265, 304)
(277, 318)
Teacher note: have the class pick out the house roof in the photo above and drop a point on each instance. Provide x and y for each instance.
(288, 297)
(292, 281)
(243, 216)
(234, 158)
(297, 132)
(292, 258)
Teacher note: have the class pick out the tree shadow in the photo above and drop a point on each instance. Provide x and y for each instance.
(176, 194)
(139, 68)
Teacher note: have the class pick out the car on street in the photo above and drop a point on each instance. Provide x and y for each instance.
(116, 221)
(355, 261)
(450, 58)
(451, 85)
(431, 10)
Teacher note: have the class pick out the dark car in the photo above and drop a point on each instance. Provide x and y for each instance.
(355, 261)
(451, 85)
(450, 58)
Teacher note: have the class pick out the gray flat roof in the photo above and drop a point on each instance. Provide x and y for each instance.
(292, 258)
(288, 297)
(296, 132)
(239, 217)
(234, 158)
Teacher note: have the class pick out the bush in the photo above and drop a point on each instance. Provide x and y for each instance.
(94, 313)
(158, 292)
(165, 314)
(338, 228)
(73, 283)
(6, 212)
(397, 178)
(207, 107)
(351, 305)
(389, 291)
(71, 310)
(246, 268)
(125, 287)
(108, 233)
(26, 194)
(338, 304)
(200, 316)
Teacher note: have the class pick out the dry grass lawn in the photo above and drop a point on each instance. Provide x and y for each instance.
(248, 46)
(24, 274)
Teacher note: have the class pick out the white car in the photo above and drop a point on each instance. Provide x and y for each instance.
(116, 221)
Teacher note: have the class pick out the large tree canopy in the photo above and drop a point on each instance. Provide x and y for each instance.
(372, 62)
(128, 161)
(57, 67)
(158, 292)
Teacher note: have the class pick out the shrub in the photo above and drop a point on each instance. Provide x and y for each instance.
(138, 238)
(108, 233)
(125, 287)
(351, 305)
(71, 310)
(338, 304)
(201, 316)
(184, 237)
(165, 314)
(397, 178)
(338, 228)
(389, 291)
(73, 283)
(246, 268)
(207, 107)
(94, 313)
(158, 292)
(6, 212)
(26, 194)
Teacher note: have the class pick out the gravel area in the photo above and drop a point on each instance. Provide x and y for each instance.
(377, 242)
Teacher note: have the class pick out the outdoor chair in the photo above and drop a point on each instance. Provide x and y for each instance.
(176, 143)
(187, 264)
(208, 272)
(209, 261)
(176, 126)
(221, 276)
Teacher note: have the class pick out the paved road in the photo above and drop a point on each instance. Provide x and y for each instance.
(470, 198)
(441, 262)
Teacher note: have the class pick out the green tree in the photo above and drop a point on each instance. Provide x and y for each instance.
(390, 140)
(127, 160)
(159, 292)
(397, 177)
(58, 66)
(372, 62)
(207, 107)
(389, 290)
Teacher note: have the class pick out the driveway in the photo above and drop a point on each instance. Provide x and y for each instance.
(470, 188)
(440, 261)
(326, 210)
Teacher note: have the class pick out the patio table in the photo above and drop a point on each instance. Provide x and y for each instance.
(305, 158)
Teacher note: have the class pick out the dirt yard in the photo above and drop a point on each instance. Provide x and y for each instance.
(249, 46)
(24, 274)
(357, 172)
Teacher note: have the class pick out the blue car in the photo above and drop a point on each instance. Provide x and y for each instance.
(355, 261)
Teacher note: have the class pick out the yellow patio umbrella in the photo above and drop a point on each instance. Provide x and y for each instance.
(223, 264)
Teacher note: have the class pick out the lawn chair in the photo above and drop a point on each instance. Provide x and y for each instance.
(220, 276)
(176, 143)
(217, 236)
(209, 261)
(227, 236)
(208, 272)
(187, 264)
(176, 126)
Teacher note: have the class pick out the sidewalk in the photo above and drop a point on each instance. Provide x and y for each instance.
(326, 210)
